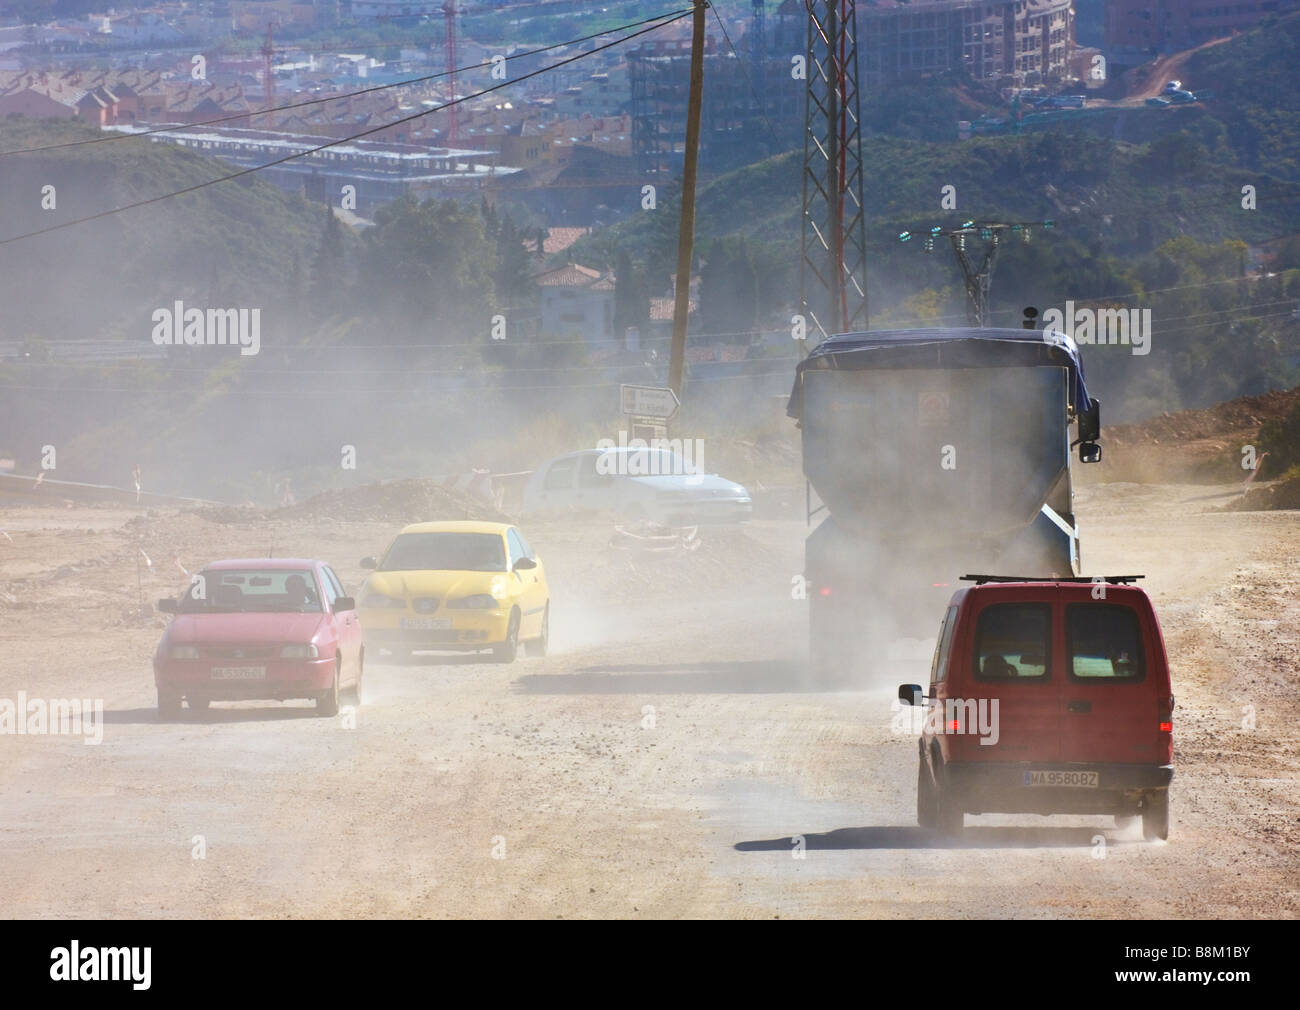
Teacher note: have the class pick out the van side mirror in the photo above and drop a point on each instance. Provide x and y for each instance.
(168, 606)
(368, 563)
(1089, 452)
(910, 694)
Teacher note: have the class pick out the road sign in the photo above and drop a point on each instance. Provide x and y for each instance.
(648, 401)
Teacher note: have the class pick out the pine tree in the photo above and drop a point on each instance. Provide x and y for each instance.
(328, 269)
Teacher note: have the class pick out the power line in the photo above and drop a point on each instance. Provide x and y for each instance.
(1084, 300)
(350, 94)
(488, 371)
(1242, 311)
(517, 342)
(334, 143)
(386, 392)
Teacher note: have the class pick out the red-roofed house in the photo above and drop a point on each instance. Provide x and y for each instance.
(577, 301)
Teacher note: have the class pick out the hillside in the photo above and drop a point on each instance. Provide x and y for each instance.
(1253, 76)
(235, 244)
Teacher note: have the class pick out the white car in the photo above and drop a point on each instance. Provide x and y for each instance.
(654, 485)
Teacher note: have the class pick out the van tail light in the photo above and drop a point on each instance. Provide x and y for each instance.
(1165, 710)
(824, 591)
(953, 725)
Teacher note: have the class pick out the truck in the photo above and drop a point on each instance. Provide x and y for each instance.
(933, 452)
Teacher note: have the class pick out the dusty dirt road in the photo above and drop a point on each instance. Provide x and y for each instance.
(657, 763)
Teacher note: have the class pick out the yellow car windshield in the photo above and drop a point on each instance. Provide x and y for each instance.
(455, 552)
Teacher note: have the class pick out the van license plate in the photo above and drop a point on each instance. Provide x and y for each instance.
(1078, 780)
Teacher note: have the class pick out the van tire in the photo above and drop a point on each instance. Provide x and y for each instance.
(950, 818)
(1155, 816)
(169, 704)
(926, 814)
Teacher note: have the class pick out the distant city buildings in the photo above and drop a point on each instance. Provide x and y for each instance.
(744, 117)
(115, 97)
(1005, 41)
(376, 171)
(1136, 30)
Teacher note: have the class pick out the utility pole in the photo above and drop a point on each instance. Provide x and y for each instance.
(832, 275)
(686, 234)
(978, 279)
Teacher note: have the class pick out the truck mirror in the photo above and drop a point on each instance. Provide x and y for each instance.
(1089, 452)
(1090, 422)
(910, 694)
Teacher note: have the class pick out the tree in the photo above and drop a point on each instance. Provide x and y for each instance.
(1281, 440)
(729, 288)
(1176, 154)
(428, 270)
(328, 269)
(631, 294)
(513, 278)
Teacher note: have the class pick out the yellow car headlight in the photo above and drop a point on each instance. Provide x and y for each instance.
(479, 601)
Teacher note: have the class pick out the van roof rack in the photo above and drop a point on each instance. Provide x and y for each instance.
(979, 580)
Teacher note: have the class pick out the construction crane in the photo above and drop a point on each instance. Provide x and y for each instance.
(268, 72)
(978, 279)
(449, 15)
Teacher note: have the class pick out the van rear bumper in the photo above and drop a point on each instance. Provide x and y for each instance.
(1003, 787)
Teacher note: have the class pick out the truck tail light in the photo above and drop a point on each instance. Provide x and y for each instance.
(1166, 714)
(824, 591)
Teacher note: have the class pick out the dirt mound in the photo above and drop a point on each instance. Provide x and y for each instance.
(1246, 413)
(1282, 495)
(1201, 445)
(396, 501)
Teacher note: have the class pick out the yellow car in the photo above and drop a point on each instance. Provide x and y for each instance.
(456, 586)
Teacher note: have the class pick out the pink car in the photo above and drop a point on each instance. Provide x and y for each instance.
(260, 629)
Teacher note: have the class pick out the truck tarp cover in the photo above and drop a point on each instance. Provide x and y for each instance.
(944, 348)
(927, 436)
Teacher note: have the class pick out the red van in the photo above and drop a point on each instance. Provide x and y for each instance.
(1046, 697)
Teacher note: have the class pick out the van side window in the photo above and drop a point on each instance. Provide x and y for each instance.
(1013, 641)
(1103, 642)
(560, 476)
(939, 668)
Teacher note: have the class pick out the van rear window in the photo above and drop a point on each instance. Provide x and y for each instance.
(1012, 641)
(1103, 642)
